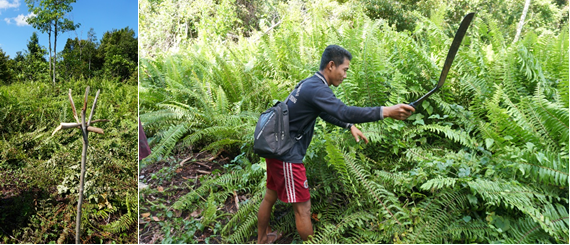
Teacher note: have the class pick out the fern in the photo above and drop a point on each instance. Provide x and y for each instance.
(169, 139)
(126, 221)
(526, 230)
(502, 115)
(438, 183)
(457, 136)
(243, 224)
(388, 201)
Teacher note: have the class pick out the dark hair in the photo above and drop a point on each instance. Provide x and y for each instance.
(336, 54)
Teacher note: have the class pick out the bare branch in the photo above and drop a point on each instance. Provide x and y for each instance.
(100, 120)
(56, 129)
(95, 130)
(85, 101)
(69, 125)
(268, 30)
(78, 125)
(73, 107)
(93, 107)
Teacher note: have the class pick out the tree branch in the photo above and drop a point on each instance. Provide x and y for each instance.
(93, 107)
(85, 101)
(73, 107)
(268, 29)
(78, 125)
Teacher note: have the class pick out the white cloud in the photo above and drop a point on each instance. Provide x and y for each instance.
(6, 4)
(20, 20)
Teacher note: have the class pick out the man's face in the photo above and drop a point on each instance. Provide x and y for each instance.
(338, 73)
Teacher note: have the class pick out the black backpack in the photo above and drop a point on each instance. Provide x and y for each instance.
(271, 137)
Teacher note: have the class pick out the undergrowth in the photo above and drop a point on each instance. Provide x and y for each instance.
(39, 200)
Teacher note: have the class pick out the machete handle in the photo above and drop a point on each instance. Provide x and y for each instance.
(414, 105)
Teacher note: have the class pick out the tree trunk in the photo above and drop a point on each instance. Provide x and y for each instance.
(521, 22)
(50, 61)
(81, 178)
(54, 50)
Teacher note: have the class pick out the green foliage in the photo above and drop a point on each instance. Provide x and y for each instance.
(31, 66)
(49, 17)
(484, 160)
(50, 164)
(6, 73)
(118, 52)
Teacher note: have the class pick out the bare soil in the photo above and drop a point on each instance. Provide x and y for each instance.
(175, 186)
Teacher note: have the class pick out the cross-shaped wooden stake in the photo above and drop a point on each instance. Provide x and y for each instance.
(85, 129)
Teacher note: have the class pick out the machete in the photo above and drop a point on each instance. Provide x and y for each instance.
(450, 56)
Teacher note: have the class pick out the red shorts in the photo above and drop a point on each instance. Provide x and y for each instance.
(288, 180)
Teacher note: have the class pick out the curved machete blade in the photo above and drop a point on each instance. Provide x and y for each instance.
(450, 56)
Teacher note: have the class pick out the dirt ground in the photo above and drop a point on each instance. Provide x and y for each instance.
(186, 165)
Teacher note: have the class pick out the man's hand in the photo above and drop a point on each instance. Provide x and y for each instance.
(357, 134)
(399, 111)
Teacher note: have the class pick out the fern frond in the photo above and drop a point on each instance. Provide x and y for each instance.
(438, 183)
(526, 230)
(169, 139)
(455, 135)
(544, 166)
(379, 194)
(243, 224)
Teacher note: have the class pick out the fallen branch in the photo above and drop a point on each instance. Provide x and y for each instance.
(204, 165)
(203, 172)
(184, 161)
(237, 200)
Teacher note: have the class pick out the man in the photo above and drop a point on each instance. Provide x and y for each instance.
(286, 178)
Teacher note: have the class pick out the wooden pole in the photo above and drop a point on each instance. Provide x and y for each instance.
(82, 177)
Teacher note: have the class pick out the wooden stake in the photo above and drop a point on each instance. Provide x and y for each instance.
(85, 129)
(82, 177)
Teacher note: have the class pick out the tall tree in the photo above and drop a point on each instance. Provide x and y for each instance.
(119, 52)
(32, 65)
(34, 48)
(92, 40)
(49, 17)
(5, 70)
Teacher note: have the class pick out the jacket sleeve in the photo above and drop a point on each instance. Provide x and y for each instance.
(326, 102)
(333, 120)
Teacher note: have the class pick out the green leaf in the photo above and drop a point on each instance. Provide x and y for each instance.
(489, 142)
(472, 199)
(464, 172)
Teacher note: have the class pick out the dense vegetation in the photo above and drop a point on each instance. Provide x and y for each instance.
(114, 57)
(484, 160)
(39, 172)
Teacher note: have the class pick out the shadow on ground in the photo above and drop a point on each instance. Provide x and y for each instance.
(17, 206)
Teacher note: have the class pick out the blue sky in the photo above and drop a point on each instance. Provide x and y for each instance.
(101, 15)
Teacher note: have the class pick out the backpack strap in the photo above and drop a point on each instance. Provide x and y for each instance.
(304, 129)
(297, 86)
